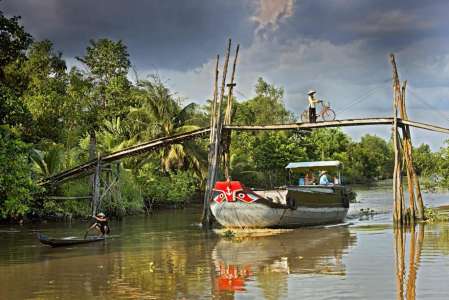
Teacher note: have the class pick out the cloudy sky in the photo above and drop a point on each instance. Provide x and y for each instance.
(338, 47)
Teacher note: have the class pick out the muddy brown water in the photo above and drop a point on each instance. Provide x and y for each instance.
(168, 256)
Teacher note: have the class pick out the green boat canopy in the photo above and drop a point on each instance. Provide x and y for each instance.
(314, 165)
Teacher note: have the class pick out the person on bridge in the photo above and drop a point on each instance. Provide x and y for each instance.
(101, 225)
(312, 108)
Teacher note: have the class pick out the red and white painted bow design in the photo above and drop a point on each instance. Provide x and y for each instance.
(231, 191)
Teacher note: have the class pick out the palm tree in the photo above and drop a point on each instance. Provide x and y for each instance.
(161, 115)
(48, 162)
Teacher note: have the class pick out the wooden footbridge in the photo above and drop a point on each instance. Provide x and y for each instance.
(220, 139)
(89, 167)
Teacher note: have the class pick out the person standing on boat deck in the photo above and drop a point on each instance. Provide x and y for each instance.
(312, 108)
(101, 224)
(323, 178)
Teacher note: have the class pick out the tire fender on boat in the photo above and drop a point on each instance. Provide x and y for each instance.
(291, 203)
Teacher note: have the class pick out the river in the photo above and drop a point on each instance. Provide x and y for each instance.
(168, 256)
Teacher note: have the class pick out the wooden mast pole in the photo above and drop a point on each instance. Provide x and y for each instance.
(231, 85)
(205, 219)
(215, 146)
(228, 117)
(214, 102)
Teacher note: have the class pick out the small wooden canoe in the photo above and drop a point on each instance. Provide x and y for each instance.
(67, 241)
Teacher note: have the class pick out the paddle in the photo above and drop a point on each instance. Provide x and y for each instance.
(90, 227)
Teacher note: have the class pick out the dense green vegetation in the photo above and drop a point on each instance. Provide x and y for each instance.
(52, 118)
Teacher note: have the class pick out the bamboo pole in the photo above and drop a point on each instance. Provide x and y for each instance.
(222, 91)
(218, 135)
(416, 206)
(216, 152)
(397, 172)
(205, 219)
(418, 210)
(397, 212)
(408, 156)
(231, 85)
(214, 101)
(96, 187)
(228, 117)
(398, 215)
(419, 200)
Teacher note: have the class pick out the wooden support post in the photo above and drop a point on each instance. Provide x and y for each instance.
(108, 186)
(96, 187)
(92, 152)
(397, 174)
(228, 118)
(215, 150)
(407, 145)
(117, 192)
(398, 215)
(416, 207)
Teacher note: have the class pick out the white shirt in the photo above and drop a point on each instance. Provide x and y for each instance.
(324, 180)
(312, 101)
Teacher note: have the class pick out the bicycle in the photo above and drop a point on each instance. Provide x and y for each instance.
(326, 113)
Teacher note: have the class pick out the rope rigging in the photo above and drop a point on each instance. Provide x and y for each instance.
(362, 98)
(432, 109)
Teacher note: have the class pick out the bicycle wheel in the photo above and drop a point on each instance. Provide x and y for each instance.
(305, 116)
(328, 115)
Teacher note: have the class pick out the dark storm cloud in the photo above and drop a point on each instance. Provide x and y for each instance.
(338, 47)
(387, 24)
(183, 34)
(159, 33)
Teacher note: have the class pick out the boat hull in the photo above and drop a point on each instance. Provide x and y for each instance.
(260, 215)
(67, 241)
(288, 208)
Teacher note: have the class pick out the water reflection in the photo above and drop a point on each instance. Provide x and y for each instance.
(158, 260)
(165, 257)
(406, 278)
(270, 260)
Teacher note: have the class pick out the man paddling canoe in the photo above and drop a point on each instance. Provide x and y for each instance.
(101, 225)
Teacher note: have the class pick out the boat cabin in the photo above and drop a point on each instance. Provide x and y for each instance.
(309, 173)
